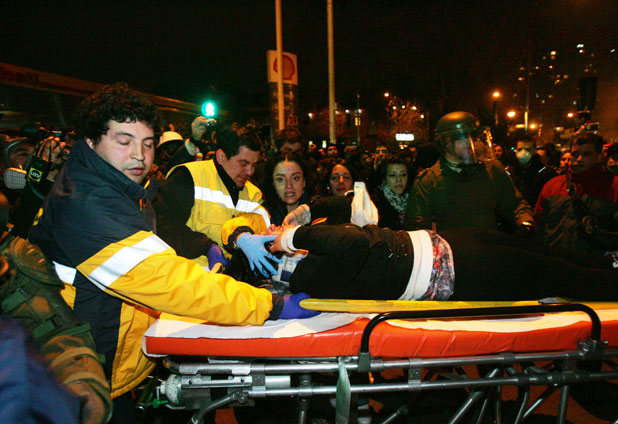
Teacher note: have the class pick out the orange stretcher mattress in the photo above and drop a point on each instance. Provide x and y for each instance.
(417, 338)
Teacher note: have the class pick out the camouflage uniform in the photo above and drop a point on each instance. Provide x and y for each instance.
(30, 294)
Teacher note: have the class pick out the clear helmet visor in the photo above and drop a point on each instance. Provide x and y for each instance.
(469, 149)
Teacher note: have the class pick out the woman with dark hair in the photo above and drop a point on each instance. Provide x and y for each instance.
(340, 178)
(565, 163)
(284, 185)
(391, 195)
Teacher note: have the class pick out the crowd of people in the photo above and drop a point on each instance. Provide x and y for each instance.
(137, 220)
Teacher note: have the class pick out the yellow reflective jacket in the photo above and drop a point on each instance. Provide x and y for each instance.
(121, 274)
(214, 214)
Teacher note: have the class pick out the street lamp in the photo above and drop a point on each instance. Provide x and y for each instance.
(509, 121)
(496, 95)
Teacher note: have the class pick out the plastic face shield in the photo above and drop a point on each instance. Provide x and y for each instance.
(470, 149)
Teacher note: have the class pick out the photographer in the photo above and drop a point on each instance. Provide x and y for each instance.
(199, 145)
(31, 185)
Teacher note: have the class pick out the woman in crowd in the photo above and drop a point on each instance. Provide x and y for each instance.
(391, 195)
(349, 262)
(340, 179)
(284, 185)
(565, 163)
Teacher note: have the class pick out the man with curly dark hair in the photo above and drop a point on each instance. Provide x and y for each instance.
(115, 103)
(96, 227)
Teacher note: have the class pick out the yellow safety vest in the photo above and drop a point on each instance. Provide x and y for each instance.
(214, 214)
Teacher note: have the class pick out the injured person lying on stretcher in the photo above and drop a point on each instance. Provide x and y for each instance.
(345, 261)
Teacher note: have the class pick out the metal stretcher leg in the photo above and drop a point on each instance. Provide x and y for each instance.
(492, 395)
(474, 397)
(522, 400)
(562, 407)
(542, 398)
(400, 412)
(304, 402)
(498, 405)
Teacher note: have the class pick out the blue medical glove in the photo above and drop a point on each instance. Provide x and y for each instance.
(215, 254)
(293, 310)
(252, 246)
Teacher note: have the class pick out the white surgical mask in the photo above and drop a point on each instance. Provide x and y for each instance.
(523, 156)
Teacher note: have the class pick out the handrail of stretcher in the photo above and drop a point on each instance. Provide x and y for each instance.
(364, 355)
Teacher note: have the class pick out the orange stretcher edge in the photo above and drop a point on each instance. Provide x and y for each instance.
(387, 341)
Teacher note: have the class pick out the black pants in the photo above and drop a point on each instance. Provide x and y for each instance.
(496, 266)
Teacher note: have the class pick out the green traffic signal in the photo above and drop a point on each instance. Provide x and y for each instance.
(209, 109)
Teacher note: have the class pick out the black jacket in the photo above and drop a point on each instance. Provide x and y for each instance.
(340, 264)
(388, 215)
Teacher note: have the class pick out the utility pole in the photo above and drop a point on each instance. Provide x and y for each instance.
(280, 98)
(531, 25)
(331, 72)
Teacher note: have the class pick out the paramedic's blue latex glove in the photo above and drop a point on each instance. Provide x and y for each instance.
(215, 254)
(252, 246)
(292, 309)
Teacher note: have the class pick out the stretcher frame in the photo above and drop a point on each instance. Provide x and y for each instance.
(194, 380)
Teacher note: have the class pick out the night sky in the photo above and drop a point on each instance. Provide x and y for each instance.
(448, 53)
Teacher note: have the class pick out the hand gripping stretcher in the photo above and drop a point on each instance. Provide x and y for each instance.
(520, 344)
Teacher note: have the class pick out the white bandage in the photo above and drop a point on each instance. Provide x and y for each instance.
(286, 239)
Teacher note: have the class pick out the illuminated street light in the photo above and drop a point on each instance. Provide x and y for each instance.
(511, 114)
(496, 96)
(570, 115)
(532, 126)
(387, 94)
(413, 107)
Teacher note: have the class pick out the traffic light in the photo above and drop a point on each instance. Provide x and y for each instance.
(209, 109)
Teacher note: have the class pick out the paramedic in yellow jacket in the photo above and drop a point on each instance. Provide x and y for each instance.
(206, 205)
(118, 273)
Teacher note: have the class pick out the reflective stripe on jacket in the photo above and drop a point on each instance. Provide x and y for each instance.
(214, 213)
(93, 229)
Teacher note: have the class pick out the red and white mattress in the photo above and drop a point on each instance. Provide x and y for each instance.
(336, 334)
